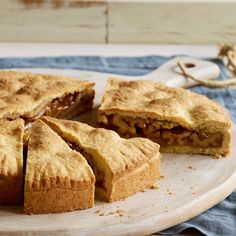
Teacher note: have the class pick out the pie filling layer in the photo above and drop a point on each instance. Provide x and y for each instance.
(67, 106)
(163, 132)
(99, 174)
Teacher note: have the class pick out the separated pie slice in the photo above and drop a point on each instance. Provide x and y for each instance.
(122, 166)
(57, 178)
(11, 161)
(29, 96)
(179, 120)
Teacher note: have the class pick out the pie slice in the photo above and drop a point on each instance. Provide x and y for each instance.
(11, 161)
(30, 96)
(57, 178)
(122, 166)
(179, 120)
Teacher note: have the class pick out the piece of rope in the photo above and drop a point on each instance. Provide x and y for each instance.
(227, 52)
(206, 83)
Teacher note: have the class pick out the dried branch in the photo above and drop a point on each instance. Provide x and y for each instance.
(206, 83)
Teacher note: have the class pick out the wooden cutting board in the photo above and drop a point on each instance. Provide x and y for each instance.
(190, 184)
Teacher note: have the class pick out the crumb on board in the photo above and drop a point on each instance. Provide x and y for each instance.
(166, 208)
(154, 186)
(118, 213)
(143, 190)
(161, 177)
(191, 168)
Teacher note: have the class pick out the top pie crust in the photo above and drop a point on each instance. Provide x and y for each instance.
(25, 93)
(51, 162)
(11, 149)
(155, 100)
(120, 155)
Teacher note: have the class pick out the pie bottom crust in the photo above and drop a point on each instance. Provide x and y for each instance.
(57, 200)
(10, 193)
(144, 176)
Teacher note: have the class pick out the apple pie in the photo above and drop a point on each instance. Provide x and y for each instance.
(122, 167)
(57, 179)
(30, 96)
(11, 161)
(179, 120)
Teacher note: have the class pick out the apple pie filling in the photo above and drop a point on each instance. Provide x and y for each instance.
(163, 132)
(99, 174)
(67, 106)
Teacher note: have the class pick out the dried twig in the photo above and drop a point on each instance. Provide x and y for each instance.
(207, 83)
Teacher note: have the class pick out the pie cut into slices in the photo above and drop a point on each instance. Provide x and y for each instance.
(122, 167)
(11, 161)
(57, 179)
(30, 96)
(179, 120)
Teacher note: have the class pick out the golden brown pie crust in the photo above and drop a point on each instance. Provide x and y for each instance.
(163, 107)
(11, 161)
(57, 178)
(27, 95)
(128, 165)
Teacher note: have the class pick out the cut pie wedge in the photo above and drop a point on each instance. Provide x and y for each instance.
(30, 96)
(122, 166)
(57, 178)
(11, 162)
(179, 120)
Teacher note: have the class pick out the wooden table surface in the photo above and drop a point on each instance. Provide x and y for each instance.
(34, 49)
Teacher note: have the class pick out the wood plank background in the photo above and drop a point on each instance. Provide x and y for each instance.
(118, 21)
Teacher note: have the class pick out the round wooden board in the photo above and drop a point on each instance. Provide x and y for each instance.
(191, 185)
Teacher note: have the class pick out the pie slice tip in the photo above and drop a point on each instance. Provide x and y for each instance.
(11, 161)
(57, 179)
(122, 167)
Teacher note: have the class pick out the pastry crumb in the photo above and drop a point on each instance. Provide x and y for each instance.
(161, 177)
(120, 211)
(101, 214)
(154, 186)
